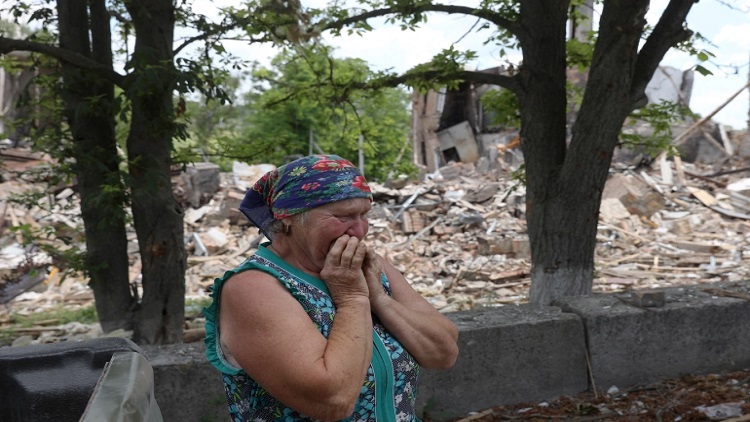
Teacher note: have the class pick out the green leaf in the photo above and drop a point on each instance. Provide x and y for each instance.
(702, 70)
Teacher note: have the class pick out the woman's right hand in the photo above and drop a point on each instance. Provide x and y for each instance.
(342, 271)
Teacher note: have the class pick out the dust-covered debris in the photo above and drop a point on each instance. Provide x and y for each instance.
(459, 235)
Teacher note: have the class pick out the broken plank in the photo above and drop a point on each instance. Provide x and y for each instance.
(696, 246)
(513, 284)
(625, 232)
(622, 259)
(704, 197)
(509, 275)
(731, 213)
(727, 293)
(706, 179)
(476, 416)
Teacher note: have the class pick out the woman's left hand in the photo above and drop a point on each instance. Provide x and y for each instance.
(427, 334)
(373, 269)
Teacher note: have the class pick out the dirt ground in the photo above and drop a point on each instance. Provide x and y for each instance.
(692, 398)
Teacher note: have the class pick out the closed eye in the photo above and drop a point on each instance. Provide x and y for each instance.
(345, 217)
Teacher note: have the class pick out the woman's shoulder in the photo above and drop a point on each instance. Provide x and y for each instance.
(250, 277)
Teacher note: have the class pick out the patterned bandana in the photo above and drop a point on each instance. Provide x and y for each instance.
(301, 185)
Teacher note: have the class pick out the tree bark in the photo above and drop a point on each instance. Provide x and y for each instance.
(89, 111)
(564, 206)
(542, 102)
(157, 216)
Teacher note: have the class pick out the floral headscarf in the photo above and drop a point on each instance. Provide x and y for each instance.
(301, 185)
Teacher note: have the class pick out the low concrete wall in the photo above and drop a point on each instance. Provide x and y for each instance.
(693, 333)
(507, 355)
(514, 354)
(186, 386)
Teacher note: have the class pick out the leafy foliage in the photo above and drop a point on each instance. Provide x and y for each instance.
(503, 104)
(308, 101)
(579, 53)
(441, 70)
(691, 46)
(208, 120)
(660, 118)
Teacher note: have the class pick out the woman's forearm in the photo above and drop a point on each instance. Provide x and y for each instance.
(428, 336)
(342, 368)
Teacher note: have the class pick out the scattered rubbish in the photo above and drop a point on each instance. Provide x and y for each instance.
(459, 236)
(722, 411)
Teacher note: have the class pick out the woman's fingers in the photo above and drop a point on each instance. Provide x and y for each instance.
(343, 271)
(347, 252)
(350, 250)
(335, 253)
(360, 254)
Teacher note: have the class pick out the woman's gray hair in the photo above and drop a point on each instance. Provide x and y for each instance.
(277, 227)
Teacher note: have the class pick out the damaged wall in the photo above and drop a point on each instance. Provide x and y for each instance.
(438, 116)
(19, 96)
(440, 120)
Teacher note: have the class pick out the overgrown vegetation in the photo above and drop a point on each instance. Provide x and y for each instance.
(17, 322)
(59, 315)
(304, 102)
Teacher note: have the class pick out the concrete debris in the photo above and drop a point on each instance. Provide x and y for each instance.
(723, 411)
(459, 235)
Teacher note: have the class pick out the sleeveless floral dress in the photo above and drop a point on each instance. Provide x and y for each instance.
(388, 392)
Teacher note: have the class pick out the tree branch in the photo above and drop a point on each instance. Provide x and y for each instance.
(670, 31)
(485, 14)
(9, 44)
(438, 76)
(216, 31)
(482, 78)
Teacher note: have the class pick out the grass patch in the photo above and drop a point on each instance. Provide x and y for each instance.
(193, 307)
(61, 315)
(58, 315)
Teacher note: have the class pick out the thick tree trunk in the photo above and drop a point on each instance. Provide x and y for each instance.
(564, 197)
(89, 110)
(543, 141)
(157, 216)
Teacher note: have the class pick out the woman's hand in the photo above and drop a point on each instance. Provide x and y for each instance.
(342, 270)
(373, 270)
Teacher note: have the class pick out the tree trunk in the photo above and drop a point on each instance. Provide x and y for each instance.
(564, 212)
(89, 111)
(157, 216)
(564, 196)
(542, 102)
(565, 184)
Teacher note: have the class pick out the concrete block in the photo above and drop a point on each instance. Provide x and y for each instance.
(634, 194)
(612, 211)
(650, 299)
(693, 333)
(494, 245)
(202, 181)
(187, 388)
(507, 355)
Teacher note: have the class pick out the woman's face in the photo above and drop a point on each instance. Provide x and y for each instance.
(324, 224)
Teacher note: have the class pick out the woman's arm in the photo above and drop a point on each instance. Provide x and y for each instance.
(427, 334)
(275, 342)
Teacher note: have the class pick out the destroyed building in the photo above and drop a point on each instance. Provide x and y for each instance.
(454, 125)
(18, 94)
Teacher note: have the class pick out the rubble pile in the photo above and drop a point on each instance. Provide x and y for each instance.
(459, 236)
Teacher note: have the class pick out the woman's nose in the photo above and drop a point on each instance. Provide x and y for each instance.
(358, 229)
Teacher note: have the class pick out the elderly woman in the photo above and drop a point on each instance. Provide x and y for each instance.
(315, 325)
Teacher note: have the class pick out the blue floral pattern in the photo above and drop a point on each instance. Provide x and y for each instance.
(303, 184)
